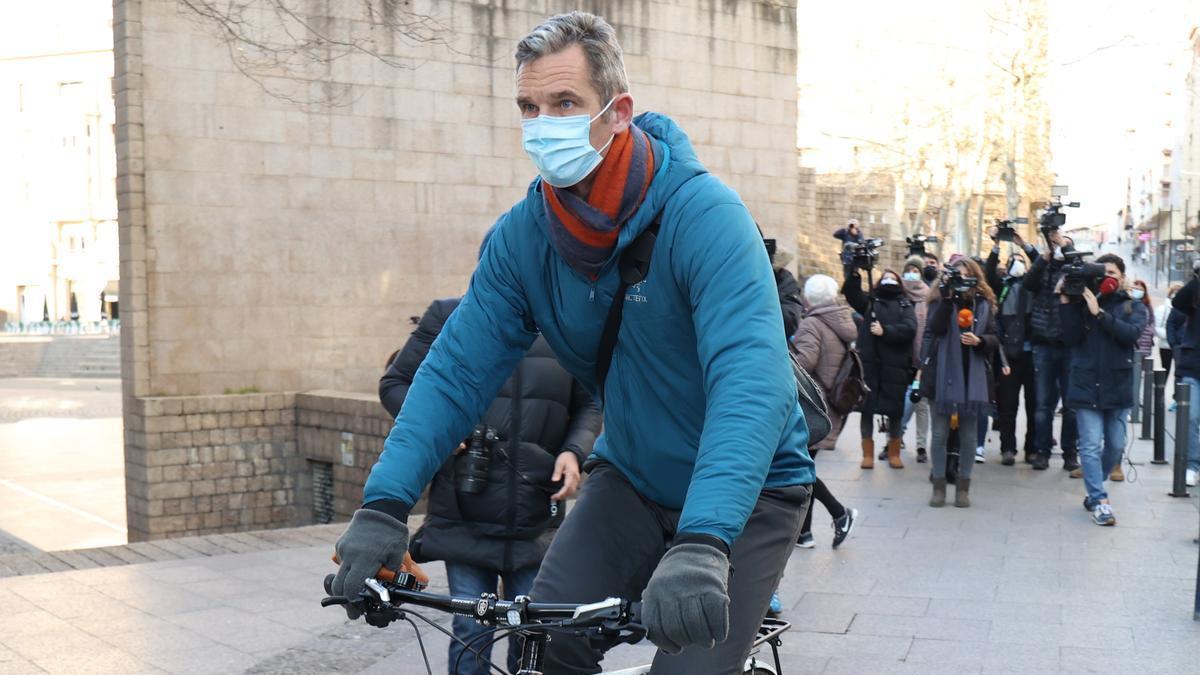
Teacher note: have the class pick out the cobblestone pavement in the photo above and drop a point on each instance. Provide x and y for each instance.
(61, 464)
(1022, 582)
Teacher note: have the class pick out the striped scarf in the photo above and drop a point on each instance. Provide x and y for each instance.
(585, 232)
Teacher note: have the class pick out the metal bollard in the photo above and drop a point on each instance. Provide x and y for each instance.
(1147, 397)
(1183, 406)
(1135, 413)
(1160, 417)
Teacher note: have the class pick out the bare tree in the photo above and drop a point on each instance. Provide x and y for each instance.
(282, 45)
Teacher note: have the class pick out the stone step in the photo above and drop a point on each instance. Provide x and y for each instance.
(182, 548)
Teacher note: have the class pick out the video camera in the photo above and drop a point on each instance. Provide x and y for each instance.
(1078, 274)
(1005, 230)
(472, 466)
(1053, 217)
(916, 243)
(953, 279)
(865, 253)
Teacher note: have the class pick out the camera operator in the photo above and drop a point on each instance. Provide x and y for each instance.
(1014, 305)
(547, 423)
(1186, 348)
(850, 234)
(1101, 334)
(885, 345)
(788, 287)
(959, 342)
(917, 291)
(1051, 362)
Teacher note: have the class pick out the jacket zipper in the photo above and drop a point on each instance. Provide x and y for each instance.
(514, 447)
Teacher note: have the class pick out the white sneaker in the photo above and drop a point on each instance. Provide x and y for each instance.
(1190, 477)
(979, 455)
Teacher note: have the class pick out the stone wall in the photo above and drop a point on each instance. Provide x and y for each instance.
(345, 431)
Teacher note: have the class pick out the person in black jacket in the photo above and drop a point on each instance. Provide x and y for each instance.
(546, 423)
(1184, 327)
(850, 234)
(956, 375)
(1051, 361)
(1014, 305)
(1101, 333)
(885, 345)
(788, 287)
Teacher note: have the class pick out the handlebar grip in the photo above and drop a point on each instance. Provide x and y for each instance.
(384, 574)
(328, 584)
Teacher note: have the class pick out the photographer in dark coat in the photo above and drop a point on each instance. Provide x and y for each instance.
(885, 345)
(850, 234)
(1051, 360)
(546, 424)
(1014, 306)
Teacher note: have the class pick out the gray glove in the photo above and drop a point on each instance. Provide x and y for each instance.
(373, 540)
(686, 603)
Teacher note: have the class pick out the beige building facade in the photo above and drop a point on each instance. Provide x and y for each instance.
(58, 206)
(280, 226)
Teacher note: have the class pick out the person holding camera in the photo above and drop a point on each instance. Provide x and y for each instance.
(917, 290)
(1100, 326)
(1186, 348)
(1014, 306)
(849, 235)
(1051, 360)
(885, 344)
(956, 376)
(494, 503)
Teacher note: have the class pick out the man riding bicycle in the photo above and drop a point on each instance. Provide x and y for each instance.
(703, 460)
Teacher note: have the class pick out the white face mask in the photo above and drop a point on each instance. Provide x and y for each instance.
(1137, 294)
(1017, 269)
(888, 281)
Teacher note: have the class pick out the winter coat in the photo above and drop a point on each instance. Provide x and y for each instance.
(1145, 343)
(846, 238)
(1186, 346)
(1176, 324)
(1101, 351)
(789, 300)
(506, 526)
(1040, 281)
(941, 313)
(887, 359)
(1014, 307)
(1161, 320)
(820, 342)
(701, 410)
(918, 293)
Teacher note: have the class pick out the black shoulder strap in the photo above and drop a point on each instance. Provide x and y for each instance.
(633, 268)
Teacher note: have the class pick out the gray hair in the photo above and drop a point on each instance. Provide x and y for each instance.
(598, 40)
(820, 290)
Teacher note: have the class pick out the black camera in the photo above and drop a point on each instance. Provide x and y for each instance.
(1079, 274)
(1005, 230)
(865, 253)
(953, 279)
(1053, 217)
(472, 467)
(916, 243)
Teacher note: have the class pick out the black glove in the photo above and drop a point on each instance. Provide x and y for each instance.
(686, 603)
(944, 288)
(373, 540)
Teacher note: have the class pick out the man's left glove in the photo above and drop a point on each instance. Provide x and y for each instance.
(373, 540)
(686, 603)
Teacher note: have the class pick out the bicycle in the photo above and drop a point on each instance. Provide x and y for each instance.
(383, 601)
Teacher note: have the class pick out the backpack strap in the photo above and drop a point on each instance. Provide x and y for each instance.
(633, 268)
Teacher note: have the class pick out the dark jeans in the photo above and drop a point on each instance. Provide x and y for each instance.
(1051, 365)
(470, 580)
(823, 495)
(610, 544)
(866, 426)
(1008, 403)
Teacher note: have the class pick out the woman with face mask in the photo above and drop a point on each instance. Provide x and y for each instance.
(1138, 292)
(1013, 306)
(889, 324)
(960, 341)
(916, 288)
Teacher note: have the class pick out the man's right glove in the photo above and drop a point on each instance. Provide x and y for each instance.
(686, 603)
(373, 540)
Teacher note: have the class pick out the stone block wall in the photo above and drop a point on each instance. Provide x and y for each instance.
(203, 464)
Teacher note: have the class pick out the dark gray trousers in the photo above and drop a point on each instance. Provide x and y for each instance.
(613, 539)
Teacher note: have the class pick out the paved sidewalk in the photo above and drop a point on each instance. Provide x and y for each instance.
(1021, 582)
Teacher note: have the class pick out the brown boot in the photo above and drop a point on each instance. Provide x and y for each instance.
(938, 500)
(962, 489)
(893, 451)
(868, 454)
(1117, 474)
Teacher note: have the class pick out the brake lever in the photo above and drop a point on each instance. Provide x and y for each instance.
(332, 600)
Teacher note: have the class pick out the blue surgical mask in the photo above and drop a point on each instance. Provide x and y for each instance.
(561, 147)
(912, 276)
(1137, 294)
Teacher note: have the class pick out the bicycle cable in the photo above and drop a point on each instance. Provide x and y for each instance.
(504, 631)
(466, 645)
(421, 644)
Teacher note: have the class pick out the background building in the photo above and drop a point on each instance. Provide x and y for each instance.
(58, 207)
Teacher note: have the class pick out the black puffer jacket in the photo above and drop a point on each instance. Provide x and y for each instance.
(1102, 351)
(789, 300)
(1040, 281)
(505, 526)
(887, 359)
(1014, 307)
